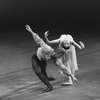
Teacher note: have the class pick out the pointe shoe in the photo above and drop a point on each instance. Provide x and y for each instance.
(67, 83)
(70, 82)
(75, 79)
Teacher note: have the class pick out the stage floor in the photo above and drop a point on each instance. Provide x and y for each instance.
(19, 82)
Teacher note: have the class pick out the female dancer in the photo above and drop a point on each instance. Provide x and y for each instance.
(40, 58)
(69, 59)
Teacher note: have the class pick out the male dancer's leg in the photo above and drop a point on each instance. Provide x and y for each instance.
(43, 71)
(42, 77)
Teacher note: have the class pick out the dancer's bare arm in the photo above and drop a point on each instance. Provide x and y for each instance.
(82, 44)
(76, 44)
(53, 41)
(36, 37)
(39, 40)
(28, 28)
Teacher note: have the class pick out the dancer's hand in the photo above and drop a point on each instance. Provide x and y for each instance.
(28, 28)
(46, 33)
(82, 44)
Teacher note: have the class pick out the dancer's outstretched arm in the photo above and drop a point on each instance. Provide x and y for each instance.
(39, 41)
(64, 69)
(36, 37)
(76, 44)
(53, 41)
(30, 30)
(81, 46)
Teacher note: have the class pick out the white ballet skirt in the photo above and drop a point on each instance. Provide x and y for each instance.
(69, 59)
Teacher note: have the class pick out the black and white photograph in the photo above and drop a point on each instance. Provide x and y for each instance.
(49, 50)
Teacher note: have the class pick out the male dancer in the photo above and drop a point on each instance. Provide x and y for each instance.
(69, 59)
(40, 58)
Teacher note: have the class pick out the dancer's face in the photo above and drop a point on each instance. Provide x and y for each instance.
(66, 44)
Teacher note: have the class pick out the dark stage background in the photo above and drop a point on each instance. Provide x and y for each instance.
(77, 17)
